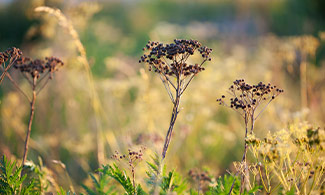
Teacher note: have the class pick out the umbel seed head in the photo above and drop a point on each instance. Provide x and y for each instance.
(247, 98)
(170, 59)
(10, 53)
(35, 68)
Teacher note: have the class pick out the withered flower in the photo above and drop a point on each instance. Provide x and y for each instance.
(177, 53)
(246, 99)
(249, 101)
(37, 69)
(37, 73)
(170, 62)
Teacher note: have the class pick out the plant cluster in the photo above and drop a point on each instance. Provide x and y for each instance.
(291, 160)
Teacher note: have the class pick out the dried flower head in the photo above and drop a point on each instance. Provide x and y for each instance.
(246, 98)
(7, 59)
(10, 54)
(131, 157)
(178, 53)
(38, 68)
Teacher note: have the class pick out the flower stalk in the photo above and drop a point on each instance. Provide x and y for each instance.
(169, 61)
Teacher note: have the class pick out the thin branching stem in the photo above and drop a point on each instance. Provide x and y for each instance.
(42, 87)
(172, 123)
(5, 70)
(31, 117)
(17, 87)
(15, 84)
(186, 85)
(263, 109)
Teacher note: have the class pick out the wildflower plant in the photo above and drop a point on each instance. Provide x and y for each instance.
(249, 101)
(133, 158)
(170, 62)
(37, 73)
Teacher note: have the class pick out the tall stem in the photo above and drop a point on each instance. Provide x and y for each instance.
(173, 118)
(31, 116)
(133, 178)
(171, 126)
(245, 176)
(243, 159)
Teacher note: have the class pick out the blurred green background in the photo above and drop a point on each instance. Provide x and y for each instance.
(256, 40)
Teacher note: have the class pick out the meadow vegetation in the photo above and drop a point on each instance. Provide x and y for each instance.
(96, 119)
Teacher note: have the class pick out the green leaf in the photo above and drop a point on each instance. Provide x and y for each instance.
(95, 182)
(120, 176)
(224, 185)
(63, 192)
(173, 183)
(153, 167)
(88, 190)
(140, 191)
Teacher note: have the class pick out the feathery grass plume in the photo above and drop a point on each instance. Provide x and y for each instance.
(169, 61)
(249, 101)
(95, 101)
(37, 73)
(7, 59)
